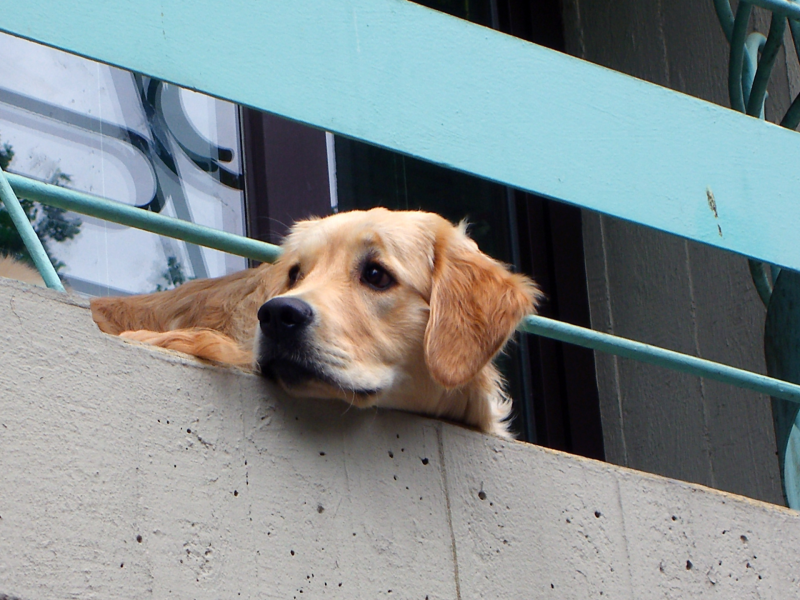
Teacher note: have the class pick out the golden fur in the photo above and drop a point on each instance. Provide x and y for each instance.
(14, 269)
(423, 344)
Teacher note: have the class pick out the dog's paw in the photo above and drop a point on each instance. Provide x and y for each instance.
(202, 343)
(148, 337)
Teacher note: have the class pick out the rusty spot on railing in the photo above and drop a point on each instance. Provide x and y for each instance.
(712, 204)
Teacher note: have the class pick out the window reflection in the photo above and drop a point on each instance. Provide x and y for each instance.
(132, 139)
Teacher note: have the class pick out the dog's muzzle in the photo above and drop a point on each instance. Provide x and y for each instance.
(282, 319)
(283, 352)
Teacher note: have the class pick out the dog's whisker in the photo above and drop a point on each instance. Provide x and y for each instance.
(349, 404)
(334, 364)
(335, 353)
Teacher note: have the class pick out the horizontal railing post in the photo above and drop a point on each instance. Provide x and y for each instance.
(227, 242)
(670, 359)
(131, 216)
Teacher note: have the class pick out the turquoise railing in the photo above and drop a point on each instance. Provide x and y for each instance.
(28, 235)
(752, 56)
(131, 216)
(241, 246)
(403, 77)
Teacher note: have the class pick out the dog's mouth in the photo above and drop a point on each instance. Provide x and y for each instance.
(294, 373)
(290, 372)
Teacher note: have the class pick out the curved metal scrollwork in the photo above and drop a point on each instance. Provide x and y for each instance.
(752, 57)
(151, 154)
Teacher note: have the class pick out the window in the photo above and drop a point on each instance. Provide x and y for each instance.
(73, 122)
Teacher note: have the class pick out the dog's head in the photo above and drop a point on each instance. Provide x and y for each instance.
(392, 309)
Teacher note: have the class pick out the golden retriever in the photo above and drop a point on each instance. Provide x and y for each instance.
(376, 308)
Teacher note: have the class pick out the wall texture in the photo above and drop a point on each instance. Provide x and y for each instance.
(130, 472)
(657, 288)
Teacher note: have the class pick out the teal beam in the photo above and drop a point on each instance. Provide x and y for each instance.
(28, 235)
(404, 77)
(677, 361)
(131, 216)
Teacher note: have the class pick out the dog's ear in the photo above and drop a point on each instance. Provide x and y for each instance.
(475, 306)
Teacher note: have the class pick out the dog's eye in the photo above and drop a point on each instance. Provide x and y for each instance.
(376, 277)
(294, 275)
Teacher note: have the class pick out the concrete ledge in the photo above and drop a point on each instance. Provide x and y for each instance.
(127, 472)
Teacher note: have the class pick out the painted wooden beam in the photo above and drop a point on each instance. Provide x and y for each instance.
(404, 77)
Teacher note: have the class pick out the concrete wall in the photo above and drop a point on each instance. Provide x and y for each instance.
(663, 290)
(130, 472)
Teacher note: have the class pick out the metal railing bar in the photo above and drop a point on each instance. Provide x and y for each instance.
(760, 280)
(28, 235)
(738, 38)
(234, 244)
(677, 361)
(792, 117)
(790, 8)
(753, 45)
(725, 15)
(313, 84)
(769, 52)
(131, 216)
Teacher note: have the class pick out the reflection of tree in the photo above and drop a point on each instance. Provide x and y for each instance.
(50, 223)
(171, 135)
(173, 276)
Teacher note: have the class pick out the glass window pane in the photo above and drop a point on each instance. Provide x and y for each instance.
(129, 138)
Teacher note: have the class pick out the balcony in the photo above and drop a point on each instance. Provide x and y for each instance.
(130, 472)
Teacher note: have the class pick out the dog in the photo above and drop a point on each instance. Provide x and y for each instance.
(394, 309)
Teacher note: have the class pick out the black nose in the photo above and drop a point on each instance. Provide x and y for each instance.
(281, 317)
